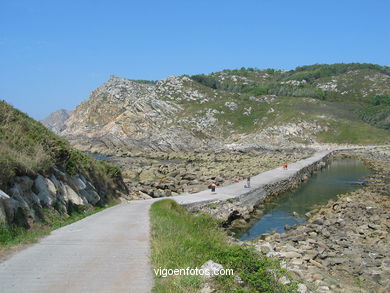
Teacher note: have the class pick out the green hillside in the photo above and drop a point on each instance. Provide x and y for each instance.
(347, 103)
(27, 147)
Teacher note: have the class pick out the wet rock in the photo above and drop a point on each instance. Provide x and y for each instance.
(318, 221)
(239, 223)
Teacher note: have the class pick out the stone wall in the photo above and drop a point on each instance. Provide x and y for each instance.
(244, 205)
(24, 201)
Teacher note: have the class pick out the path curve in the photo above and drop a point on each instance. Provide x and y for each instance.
(108, 252)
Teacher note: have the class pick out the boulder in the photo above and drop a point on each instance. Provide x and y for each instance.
(290, 254)
(266, 247)
(90, 195)
(302, 288)
(211, 269)
(318, 221)
(78, 183)
(239, 223)
(71, 196)
(189, 176)
(3, 195)
(46, 190)
(25, 183)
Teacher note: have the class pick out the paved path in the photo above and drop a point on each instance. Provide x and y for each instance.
(108, 252)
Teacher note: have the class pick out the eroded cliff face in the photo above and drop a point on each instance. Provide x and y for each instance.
(233, 107)
(127, 114)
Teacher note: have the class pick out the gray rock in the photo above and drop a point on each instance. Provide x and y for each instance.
(90, 195)
(3, 195)
(56, 120)
(266, 247)
(239, 223)
(25, 183)
(72, 196)
(283, 280)
(337, 261)
(302, 288)
(46, 191)
(318, 221)
(76, 180)
(211, 269)
(290, 254)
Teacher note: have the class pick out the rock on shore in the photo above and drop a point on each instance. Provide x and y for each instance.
(158, 174)
(345, 246)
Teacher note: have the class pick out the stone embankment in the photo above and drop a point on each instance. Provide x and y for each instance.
(24, 201)
(345, 245)
(247, 203)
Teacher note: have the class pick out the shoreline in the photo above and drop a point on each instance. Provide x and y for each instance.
(344, 246)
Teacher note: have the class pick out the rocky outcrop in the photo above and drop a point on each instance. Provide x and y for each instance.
(230, 107)
(26, 199)
(158, 174)
(346, 239)
(56, 121)
(124, 114)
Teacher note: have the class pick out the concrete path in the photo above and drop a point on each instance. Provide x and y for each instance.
(109, 252)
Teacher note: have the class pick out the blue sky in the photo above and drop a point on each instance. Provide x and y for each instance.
(54, 53)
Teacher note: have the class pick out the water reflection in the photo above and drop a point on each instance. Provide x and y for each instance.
(340, 176)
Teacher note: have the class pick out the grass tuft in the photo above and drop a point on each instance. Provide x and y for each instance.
(181, 240)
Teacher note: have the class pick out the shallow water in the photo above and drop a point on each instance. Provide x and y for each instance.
(340, 176)
(99, 156)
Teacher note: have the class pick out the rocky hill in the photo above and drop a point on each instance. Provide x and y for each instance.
(40, 173)
(340, 103)
(56, 120)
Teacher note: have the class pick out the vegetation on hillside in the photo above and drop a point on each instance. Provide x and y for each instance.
(354, 94)
(181, 240)
(27, 147)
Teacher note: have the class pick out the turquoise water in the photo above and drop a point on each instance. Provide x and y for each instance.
(340, 176)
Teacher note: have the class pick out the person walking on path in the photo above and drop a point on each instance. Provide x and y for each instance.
(213, 186)
(248, 182)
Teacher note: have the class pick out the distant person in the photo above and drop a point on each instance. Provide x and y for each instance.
(213, 186)
(236, 180)
(248, 182)
(285, 166)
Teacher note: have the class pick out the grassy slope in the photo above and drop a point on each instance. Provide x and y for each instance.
(349, 117)
(181, 240)
(27, 147)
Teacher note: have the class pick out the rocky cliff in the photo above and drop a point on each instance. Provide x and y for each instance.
(319, 103)
(56, 120)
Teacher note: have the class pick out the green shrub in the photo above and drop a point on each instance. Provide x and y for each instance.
(381, 100)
